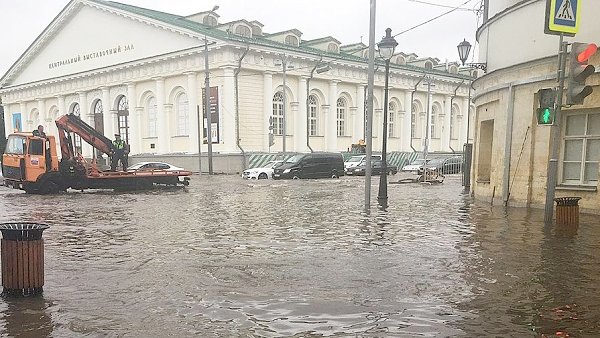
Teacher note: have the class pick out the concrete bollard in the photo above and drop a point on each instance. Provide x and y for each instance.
(22, 258)
(567, 210)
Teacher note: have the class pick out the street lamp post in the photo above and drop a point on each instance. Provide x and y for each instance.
(386, 50)
(463, 53)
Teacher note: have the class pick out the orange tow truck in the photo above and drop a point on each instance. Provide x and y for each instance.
(31, 163)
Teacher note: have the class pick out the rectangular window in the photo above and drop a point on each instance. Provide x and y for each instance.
(278, 118)
(391, 124)
(341, 121)
(581, 149)
(313, 121)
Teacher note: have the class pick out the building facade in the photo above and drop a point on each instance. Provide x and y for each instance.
(511, 151)
(141, 73)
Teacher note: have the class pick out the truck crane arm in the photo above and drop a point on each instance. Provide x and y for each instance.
(70, 123)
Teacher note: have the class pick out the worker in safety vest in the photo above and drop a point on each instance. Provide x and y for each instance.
(120, 153)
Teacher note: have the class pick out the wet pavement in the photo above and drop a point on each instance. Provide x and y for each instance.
(232, 258)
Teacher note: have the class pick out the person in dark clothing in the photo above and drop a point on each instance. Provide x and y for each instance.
(120, 154)
(39, 132)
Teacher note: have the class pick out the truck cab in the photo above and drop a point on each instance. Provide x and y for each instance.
(26, 158)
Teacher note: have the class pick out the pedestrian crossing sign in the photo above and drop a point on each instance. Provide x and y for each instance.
(562, 17)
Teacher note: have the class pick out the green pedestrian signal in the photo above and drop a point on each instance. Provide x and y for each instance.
(546, 112)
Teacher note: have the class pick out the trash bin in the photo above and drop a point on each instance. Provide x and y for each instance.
(22, 258)
(567, 210)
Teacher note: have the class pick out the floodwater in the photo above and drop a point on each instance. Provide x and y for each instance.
(232, 258)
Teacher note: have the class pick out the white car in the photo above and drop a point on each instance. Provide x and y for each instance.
(356, 160)
(147, 166)
(415, 165)
(261, 173)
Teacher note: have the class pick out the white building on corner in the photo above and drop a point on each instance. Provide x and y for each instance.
(511, 151)
(140, 73)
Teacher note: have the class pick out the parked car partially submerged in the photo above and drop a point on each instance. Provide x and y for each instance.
(376, 168)
(415, 165)
(262, 173)
(444, 166)
(357, 160)
(148, 166)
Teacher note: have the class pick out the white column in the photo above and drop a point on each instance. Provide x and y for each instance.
(406, 122)
(43, 115)
(445, 121)
(227, 111)
(25, 117)
(107, 114)
(166, 133)
(134, 127)
(377, 128)
(62, 110)
(354, 120)
(162, 120)
(86, 116)
(301, 117)
(140, 137)
(359, 116)
(428, 118)
(331, 131)
(267, 106)
(192, 92)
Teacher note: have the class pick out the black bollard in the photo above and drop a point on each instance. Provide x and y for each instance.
(22, 258)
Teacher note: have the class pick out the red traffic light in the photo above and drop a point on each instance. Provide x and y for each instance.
(587, 53)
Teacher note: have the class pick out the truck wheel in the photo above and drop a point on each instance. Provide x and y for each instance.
(334, 174)
(296, 177)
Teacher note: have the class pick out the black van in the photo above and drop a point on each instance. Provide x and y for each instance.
(312, 165)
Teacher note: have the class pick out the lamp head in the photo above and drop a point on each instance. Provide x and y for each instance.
(387, 45)
(463, 51)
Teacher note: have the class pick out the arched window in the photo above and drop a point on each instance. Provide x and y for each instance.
(434, 119)
(209, 21)
(123, 118)
(152, 116)
(428, 65)
(278, 113)
(391, 119)
(341, 116)
(313, 115)
(76, 110)
(98, 116)
(453, 70)
(332, 48)
(401, 60)
(243, 31)
(183, 115)
(291, 40)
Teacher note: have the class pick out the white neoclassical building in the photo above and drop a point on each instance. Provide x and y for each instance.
(511, 151)
(141, 73)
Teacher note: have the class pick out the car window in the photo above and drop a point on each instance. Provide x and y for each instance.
(146, 166)
(355, 159)
(162, 166)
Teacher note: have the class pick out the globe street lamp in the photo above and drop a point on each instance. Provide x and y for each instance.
(386, 50)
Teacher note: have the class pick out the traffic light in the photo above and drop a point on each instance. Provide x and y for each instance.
(545, 113)
(579, 71)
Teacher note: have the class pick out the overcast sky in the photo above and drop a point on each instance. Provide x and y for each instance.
(346, 20)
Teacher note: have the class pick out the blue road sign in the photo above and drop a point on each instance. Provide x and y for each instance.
(562, 16)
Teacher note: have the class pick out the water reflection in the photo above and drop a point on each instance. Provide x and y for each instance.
(26, 317)
(227, 257)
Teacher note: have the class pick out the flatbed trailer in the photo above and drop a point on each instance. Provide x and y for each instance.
(30, 163)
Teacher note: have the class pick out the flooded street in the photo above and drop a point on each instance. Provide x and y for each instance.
(233, 258)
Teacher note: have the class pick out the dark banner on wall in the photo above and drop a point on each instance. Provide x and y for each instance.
(214, 116)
